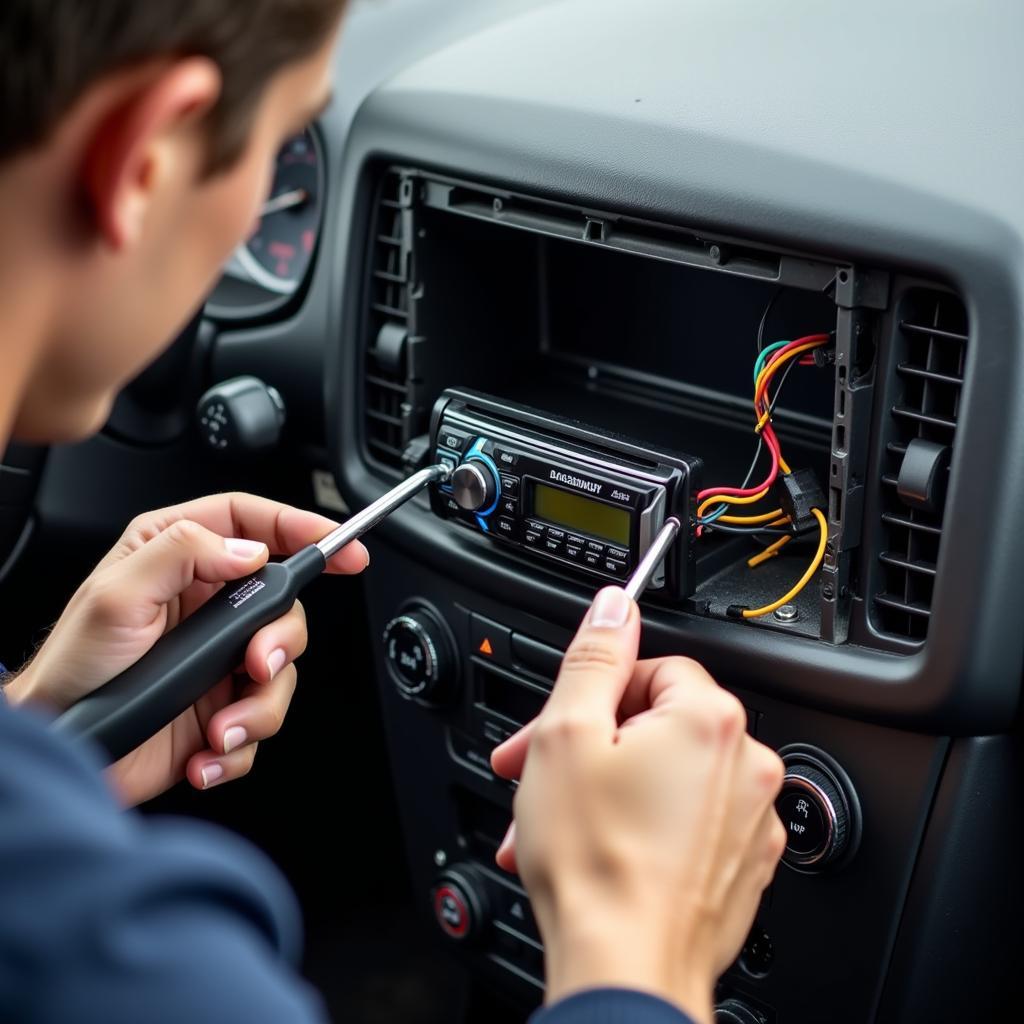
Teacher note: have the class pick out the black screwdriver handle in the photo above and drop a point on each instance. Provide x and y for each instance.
(190, 660)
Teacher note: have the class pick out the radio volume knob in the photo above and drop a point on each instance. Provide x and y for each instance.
(474, 486)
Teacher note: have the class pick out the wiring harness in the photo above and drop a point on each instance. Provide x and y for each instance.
(717, 507)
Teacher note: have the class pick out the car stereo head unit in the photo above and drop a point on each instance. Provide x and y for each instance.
(582, 499)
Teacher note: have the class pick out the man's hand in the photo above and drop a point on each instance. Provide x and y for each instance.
(165, 566)
(645, 829)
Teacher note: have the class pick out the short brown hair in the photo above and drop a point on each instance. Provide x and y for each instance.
(52, 51)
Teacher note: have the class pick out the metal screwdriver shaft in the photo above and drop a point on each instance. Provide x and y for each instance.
(637, 583)
(380, 509)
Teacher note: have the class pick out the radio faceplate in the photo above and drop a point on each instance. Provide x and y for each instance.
(581, 499)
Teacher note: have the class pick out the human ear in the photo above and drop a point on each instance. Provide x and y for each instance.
(142, 142)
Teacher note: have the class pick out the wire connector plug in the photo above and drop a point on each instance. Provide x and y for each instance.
(798, 493)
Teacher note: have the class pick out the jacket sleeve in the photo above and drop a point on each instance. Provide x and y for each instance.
(105, 916)
(611, 1006)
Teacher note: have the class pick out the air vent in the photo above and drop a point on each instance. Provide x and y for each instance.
(930, 350)
(390, 408)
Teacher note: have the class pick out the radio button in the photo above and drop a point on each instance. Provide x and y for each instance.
(615, 566)
(575, 538)
(534, 538)
(507, 527)
(536, 525)
(592, 560)
(509, 485)
(619, 553)
(503, 457)
(593, 545)
(573, 551)
(556, 534)
(452, 440)
(553, 546)
(508, 506)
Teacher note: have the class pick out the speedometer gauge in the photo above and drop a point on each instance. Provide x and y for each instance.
(278, 253)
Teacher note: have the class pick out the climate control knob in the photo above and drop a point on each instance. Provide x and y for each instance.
(474, 486)
(816, 815)
(461, 903)
(420, 656)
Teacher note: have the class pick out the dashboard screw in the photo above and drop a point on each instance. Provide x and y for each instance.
(498, 205)
(440, 858)
(786, 613)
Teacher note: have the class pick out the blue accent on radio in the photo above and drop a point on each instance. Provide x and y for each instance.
(482, 523)
(476, 452)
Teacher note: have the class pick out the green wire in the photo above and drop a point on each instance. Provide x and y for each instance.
(764, 354)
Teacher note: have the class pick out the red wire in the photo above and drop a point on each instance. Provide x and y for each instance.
(767, 433)
(744, 492)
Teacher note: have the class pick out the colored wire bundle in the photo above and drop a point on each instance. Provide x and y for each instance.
(717, 506)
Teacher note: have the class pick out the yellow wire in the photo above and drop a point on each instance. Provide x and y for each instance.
(769, 371)
(727, 499)
(751, 520)
(730, 499)
(753, 613)
(769, 552)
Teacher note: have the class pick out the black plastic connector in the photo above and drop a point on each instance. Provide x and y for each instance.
(416, 453)
(798, 493)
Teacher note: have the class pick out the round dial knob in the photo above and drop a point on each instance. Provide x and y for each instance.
(474, 486)
(461, 903)
(815, 814)
(732, 1011)
(420, 656)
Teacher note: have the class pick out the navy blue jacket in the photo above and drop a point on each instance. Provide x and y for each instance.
(109, 917)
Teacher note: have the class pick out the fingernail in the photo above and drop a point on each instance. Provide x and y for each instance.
(234, 737)
(211, 773)
(243, 548)
(367, 566)
(276, 660)
(610, 609)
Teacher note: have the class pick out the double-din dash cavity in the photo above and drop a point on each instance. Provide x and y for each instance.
(580, 498)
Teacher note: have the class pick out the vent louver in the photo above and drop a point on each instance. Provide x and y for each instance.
(389, 410)
(931, 345)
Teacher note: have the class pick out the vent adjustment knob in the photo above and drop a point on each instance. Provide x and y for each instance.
(924, 473)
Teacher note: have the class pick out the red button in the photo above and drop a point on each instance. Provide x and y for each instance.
(451, 911)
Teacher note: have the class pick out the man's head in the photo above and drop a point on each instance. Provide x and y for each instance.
(136, 145)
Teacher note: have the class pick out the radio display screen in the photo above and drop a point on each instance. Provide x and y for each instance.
(575, 512)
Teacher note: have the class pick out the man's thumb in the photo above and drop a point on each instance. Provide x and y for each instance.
(186, 551)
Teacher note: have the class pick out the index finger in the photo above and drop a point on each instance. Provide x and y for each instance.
(599, 662)
(283, 528)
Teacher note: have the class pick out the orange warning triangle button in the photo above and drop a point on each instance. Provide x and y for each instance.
(485, 647)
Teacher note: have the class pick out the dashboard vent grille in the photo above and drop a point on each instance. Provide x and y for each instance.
(389, 412)
(931, 344)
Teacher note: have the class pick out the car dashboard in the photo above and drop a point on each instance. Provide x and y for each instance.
(569, 232)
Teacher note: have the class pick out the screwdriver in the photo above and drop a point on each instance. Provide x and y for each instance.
(642, 575)
(190, 660)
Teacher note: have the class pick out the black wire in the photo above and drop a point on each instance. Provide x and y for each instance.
(750, 531)
(764, 318)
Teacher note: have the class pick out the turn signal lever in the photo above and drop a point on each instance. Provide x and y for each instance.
(189, 660)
